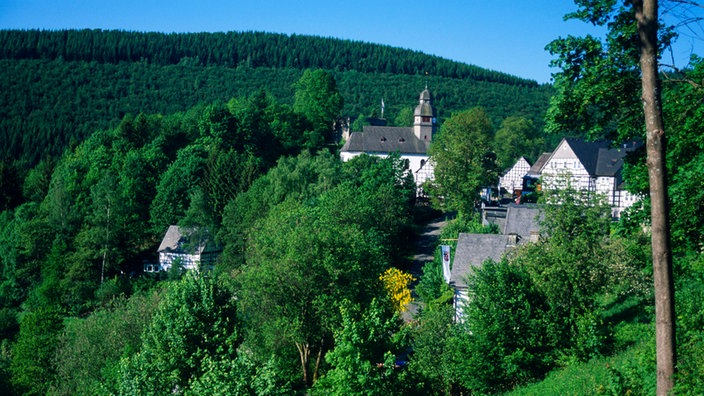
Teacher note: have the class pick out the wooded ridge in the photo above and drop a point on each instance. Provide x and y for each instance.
(61, 86)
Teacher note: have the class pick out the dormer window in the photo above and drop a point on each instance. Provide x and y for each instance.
(383, 139)
(401, 140)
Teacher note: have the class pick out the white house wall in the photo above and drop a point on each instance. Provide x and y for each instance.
(564, 165)
(513, 179)
(461, 300)
(188, 261)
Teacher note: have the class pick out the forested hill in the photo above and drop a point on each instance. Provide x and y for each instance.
(231, 49)
(59, 87)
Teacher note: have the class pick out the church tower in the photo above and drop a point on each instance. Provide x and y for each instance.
(424, 121)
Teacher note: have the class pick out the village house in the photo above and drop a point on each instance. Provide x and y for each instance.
(182, 247)
(590, 167)
(519, 224)
(512, 179)
(411, 143)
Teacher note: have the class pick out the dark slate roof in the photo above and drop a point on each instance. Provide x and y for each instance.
(598, 158)
(384, 139)
(610, 162)
(472, 250)
(522, 220)
(587, 152)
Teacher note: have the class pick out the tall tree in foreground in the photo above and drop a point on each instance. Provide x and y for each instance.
(597, 91)
(647, 15)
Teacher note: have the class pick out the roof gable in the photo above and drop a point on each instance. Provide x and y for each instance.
(587, 153)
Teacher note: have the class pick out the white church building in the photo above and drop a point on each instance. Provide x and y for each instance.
(411, 143)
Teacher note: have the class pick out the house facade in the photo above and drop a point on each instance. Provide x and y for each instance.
(411, 143)
(512, 179)
(590, 167)
(178, 247)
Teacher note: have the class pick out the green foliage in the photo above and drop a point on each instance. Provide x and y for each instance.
(10, 186)
(690, 329)
(404, 118)
(301, 263)
(31, 368)
(240, 376)
(507, 327)
(466, 224)
(194, 325)
(252, 49)
(575, 264)
(319, 101)
(463, 161)
(431, 339)
(301, 178)
(432, 289)
(598, 85)
(362, 362)
(685, 158)
(89, 349)
(65, 85)
(517, 137)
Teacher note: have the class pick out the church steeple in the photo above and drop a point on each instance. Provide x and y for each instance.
(424, 121)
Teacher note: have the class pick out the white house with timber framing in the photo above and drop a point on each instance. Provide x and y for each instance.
(188, 249)
(590, 167)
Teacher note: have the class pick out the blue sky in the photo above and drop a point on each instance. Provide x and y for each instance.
(503, 35)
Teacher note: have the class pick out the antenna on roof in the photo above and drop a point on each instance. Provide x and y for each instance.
(426, 80)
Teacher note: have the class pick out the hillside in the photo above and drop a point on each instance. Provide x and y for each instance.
(61, 86)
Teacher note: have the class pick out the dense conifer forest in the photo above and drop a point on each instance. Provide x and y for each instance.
(61, 86)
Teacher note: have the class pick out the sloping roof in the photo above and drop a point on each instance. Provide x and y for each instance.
(384, 139)
(176, 241)
(599, 158)
(472, 250)
(610, 162)
(587, 152)
(537, 167)
(522, 220)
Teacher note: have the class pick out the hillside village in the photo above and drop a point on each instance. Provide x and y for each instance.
(590, 168)
(197, 221)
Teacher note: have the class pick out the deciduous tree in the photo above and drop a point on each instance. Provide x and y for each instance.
(463, 161)
(318, 99)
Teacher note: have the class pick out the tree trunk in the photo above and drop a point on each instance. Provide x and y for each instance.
(304, 354)
(646, 12)
(318, 359)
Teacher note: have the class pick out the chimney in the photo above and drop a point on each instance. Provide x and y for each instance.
(534, 235)
(512, 240)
